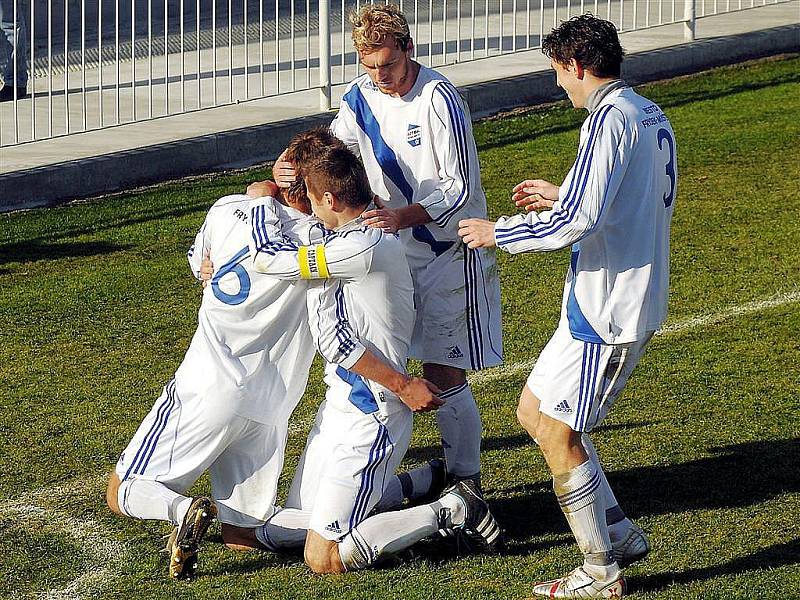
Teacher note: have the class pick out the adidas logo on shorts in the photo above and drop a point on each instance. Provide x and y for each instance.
(563, 406)
(334, 527)
(455, 352)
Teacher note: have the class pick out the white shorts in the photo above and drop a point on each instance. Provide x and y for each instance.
(577, 382)
(347, 462)
(180, 438)
(457, 295)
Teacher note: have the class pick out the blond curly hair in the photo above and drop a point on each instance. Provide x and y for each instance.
(374, 23)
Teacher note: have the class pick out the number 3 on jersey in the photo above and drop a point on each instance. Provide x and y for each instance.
(665, 135)
(234, 267)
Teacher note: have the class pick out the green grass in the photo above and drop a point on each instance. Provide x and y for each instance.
(97, 308)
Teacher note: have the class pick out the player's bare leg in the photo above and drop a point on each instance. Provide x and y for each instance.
(576, 482)
(459, 421)
(242, 539)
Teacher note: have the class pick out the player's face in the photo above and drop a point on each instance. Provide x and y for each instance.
(567, 80)
(390, 68)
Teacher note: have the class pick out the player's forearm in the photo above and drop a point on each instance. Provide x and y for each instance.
(373, 368)
(413, 215)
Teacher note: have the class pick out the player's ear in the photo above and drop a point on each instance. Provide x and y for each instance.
(330, 199)
(576, 68)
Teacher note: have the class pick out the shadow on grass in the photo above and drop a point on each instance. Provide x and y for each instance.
(775, 556)
(32, 251)
(425, 453)
(737, 476)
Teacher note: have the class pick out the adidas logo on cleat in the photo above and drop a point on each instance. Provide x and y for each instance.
(334, 527)
(563, 406)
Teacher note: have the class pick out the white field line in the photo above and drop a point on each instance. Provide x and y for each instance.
(502, 371)
(90, 535)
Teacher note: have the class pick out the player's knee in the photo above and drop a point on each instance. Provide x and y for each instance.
(552, 436)
(112, 494)
(528, 418)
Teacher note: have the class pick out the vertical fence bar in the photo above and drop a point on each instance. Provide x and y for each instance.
(635, 4)
(444, 32)
(472, 31)
(486, 30)
(622, 14)
(689, 22)
(100, 61)
(150, 59)
(342, 62)
(308, 43)
(324, 55)
(230, 50)
(500, 41)
(14, 57)
(183, 58)
(83, 64)
(246, 53)
(416, 22)
(555, 13)
(458, 31)
(291, 50)
(116, 56)
(133, 58)
(277, 50)
(528, 24)
(514, 26)
(197, 49)
(569, 8)
(430, 33)
(261, 44)
(50, 68)
(32, 82)
(214, 50)
(66, 67)
(166, 57)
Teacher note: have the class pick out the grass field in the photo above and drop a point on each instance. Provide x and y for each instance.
(703, 449)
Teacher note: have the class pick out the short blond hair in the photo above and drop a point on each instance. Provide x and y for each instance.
(374, 23)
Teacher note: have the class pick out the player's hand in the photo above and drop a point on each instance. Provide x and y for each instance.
(283, 172)
(384, 218)
(206, 270)
(477, 233)
(535, 194)
(261, 189)
(420, 395)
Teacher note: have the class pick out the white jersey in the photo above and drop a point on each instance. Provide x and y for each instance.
(614, 208)
(365, 301)
(252, 349)
(417, 148)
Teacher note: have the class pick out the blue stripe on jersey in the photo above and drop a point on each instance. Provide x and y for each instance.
(360, 395)
(579, 326)
(473, 312)
(346, 343)
(144, 452)
(457, 124)
(586, 384)
(592, 387)
(387, 160)
(385, 156)
(573, 197)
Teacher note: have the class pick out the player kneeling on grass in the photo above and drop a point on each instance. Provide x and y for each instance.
(362, 431)
(227, 408)
(614, 208)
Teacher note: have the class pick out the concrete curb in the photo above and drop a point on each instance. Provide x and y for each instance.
(83, 178)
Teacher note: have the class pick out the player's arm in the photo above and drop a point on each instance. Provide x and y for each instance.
(345, 127)
(590, 185)
(199, 252)
(339, 257)
(338, 344)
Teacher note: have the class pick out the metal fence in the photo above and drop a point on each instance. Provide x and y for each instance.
(97, 64)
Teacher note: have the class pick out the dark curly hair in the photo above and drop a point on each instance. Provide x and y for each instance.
(592, 42)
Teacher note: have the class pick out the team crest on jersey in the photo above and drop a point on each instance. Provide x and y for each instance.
(414, 136)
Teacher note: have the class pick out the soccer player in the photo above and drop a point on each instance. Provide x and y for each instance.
(362, 430)
(614, 208)
(227, 408)
(413, 133)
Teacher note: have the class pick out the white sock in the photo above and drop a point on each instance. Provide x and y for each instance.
(392, 532)
(581, 500)
(147, 499)
(618, 523)
(460, 427)
(287, 528)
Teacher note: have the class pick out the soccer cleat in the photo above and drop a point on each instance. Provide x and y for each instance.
(631, 548)
(184, 541)
(480, 529)
(579, 584)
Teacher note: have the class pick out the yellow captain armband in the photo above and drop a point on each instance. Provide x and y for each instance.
(312, 262)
